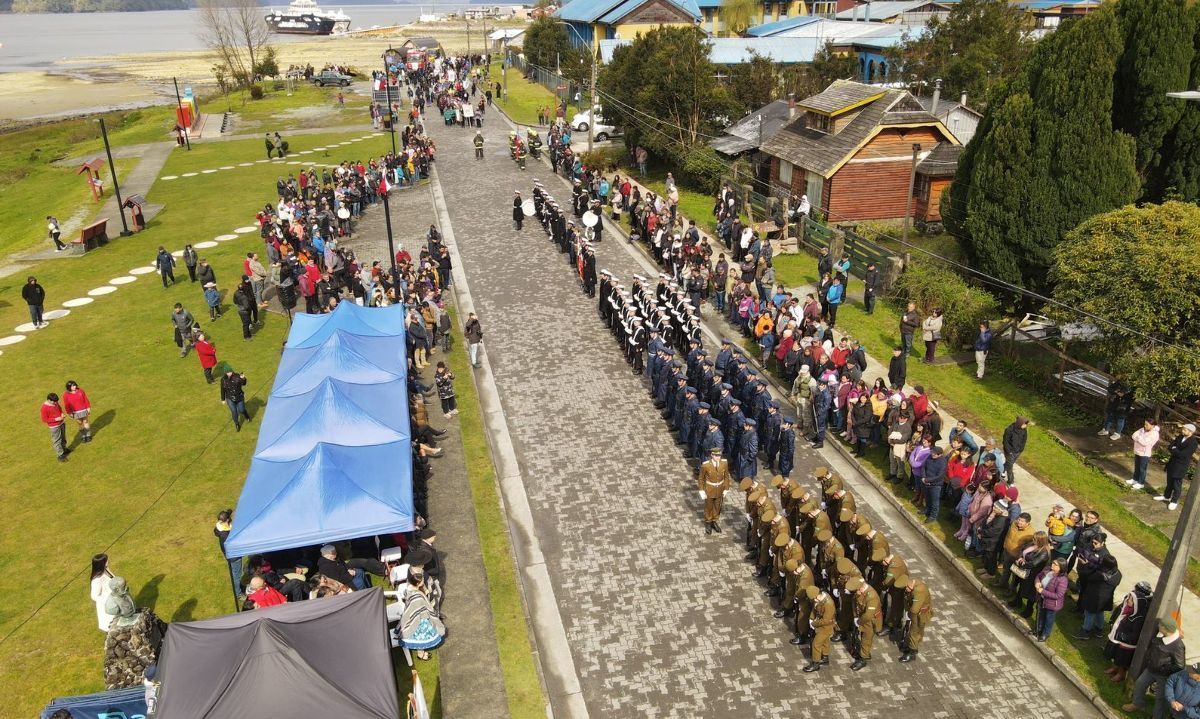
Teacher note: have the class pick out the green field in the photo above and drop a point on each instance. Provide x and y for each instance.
(165, 457)
(524, 97)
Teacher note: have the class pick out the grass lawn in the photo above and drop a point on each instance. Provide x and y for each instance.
(165, 457)
(521, 682)
(524, 97)
(991, 405)
(277, 105)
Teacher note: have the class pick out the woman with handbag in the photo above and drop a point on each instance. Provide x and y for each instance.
(1051, 587)
(931, 332)
(1025, 572)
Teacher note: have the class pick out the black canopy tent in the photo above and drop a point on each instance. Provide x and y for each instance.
(326, 657)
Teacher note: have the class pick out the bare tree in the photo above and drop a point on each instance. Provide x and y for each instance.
(236, 31)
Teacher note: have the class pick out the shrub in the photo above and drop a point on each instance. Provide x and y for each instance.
(704, 168)
(963, 306)
(256, 92)
(604, 159)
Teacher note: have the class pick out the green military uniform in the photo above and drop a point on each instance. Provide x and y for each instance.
(858, 549)
(785, 485)
(868, 619)
(877, 549)
(818, 522)
(758, 538)
(787, 549)
(893, 617)
(829, 551)
(845, 616)
(766, 548)
(756, 503)
(478, 145)
(795, 601)
(836, 503)
(800, 497)
(847, 523)
(821, 619)
(918, 610)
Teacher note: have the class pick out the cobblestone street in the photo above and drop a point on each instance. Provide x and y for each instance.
(662, 620)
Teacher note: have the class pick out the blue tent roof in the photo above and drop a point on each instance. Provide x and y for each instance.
(334, 456)
(585, 10)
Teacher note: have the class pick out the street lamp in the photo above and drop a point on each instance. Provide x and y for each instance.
(592, 111)
(387, 90)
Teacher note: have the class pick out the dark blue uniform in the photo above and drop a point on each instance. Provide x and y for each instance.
(733, 429)
(713, 439)
(822, 401)
(787, 447)
(747, 457)
(771, 434)
(699, 430)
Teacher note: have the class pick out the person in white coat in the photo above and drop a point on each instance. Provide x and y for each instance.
(100, 577)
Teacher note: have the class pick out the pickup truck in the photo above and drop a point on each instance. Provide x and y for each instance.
(329, 77)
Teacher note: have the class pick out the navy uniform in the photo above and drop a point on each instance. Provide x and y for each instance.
(747, 458)
(723, 357)
(687, 414)
(770, 436)
(786, 457)
(605, 290)
(734, 428)
(822, 402)
(699, 428)
(720, 408)
(637, 345)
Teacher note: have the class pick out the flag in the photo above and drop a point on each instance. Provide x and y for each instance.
(417, 709)
(383, 184)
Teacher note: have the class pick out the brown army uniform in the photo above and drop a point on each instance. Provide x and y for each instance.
(821, 619)
(712, 482)
(829, 552)
(918, 609)
(837, 508)
(894, 596)
(798, 579)
(786, 549)
(818, 522)
(845, 572)
(848, 523)
(766, 548)
(869, 618)
(877, 548)
(857, 548)
(785, 485)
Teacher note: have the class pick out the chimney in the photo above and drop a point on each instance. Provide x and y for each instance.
(963, 100)
(868, 17)
(791, 105)
(854, 15)
(937, 95)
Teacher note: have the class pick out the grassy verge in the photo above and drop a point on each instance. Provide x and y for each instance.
(165, 457)
(276, 105)
(521, 682)
(523, 98)
(989, 406)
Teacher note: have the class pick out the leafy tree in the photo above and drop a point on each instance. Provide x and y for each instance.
(979, 44)
(1181, 152)
(268, 63)
(545, 42)
(754, 83)
(1050, 156)
(738, 15)
(666, 94)
(1139, 267)
(1157, 59)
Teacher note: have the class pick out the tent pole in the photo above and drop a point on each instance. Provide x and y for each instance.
(237, 607)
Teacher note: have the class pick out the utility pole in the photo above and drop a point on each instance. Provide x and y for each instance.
(387, 89)
(504, 65)
(116, 186)
(468, 22)
(592, 113)
(387, 218)
(912, 184)
(1168, 591)
(179, 104)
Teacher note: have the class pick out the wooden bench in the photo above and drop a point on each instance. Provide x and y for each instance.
(91, 237)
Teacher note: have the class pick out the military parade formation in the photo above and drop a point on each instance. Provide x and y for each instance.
(834, 577)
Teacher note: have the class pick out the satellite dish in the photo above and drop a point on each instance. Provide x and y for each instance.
(591, 219)
(527, 208)
(343, 213)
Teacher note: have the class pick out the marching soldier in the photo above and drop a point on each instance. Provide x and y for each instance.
(872, 548)
(796, 603)
(918, 610)
(893, 596)
(868, 620)
(713, 481)
(699, 431)
(816, 524)
(747, 458)
(787, 549)
(733, 428)
(829, 551)
(760, 539)
(787, 446)
(821, 621)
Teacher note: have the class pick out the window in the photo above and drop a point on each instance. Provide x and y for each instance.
(922, 189)
(817, 121)
(785, 173)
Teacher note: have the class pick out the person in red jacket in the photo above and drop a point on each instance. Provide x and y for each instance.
(76, 402)
(263, 594)
(207, 354)
(52, 415)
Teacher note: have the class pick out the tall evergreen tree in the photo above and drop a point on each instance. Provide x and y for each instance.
(1181, 150)
(1159, 38)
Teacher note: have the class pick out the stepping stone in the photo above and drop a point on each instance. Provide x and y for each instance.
(258, 161)
(177, 253)
(225, 238)
(208, 172)
(27, 327)
(142, 270)
(306, 152)
(204, 245)
(189, 174)
(79, 302)
(245, 164)
(357, 139)
(318, 149)
(246, 229)
(55, 314)
(117, 281)
(295, 162)
(11, 340)
(102, 290)
(169, 177)
(226, 167)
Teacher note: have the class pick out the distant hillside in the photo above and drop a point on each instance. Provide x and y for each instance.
(92, 5)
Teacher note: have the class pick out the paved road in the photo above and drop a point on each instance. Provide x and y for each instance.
(662, 620)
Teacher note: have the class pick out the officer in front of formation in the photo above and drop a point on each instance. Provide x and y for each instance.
(714, 479)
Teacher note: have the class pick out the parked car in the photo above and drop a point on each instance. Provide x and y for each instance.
(582, 120)
(329, 77)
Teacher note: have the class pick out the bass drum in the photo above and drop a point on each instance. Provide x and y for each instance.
(590, 219)
(528, 208)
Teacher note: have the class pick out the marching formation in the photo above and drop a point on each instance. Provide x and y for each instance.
(834, 576)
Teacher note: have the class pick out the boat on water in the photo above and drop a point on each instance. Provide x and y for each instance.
(303, 17)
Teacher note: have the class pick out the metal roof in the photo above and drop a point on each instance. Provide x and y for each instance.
(625, 8)
(745, 134)
(842, 94)
(771, 28)
(738, 50)
(881, 10)
(586, 10)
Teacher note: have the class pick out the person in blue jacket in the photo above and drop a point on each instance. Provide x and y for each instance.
(747, 457)
(822, 400)
(787, 446)
(1182, 694)
(834, 298)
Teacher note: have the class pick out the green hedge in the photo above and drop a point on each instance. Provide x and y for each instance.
(963, 306)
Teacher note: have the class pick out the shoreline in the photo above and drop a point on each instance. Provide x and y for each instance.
(89, 85)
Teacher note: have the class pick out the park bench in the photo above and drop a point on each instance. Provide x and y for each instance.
(91, 237)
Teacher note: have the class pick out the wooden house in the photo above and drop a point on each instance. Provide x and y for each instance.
(850, 149)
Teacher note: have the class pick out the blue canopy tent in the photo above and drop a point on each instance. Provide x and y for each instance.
(334, 455)
(116, 704)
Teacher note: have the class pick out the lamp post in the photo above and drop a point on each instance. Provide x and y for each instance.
(592, 89)
(912, 183)
(387, 90)
(1169, 589)
(116, 186)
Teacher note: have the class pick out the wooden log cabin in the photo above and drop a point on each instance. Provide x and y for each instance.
(850, 150)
